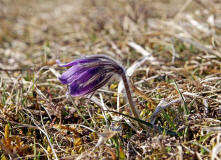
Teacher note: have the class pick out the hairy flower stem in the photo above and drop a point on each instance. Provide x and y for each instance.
(130, 100)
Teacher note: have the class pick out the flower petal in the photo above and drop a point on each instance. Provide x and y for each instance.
(88, 74)
(79, 73)
(67, 76)
(77, 61)
(79, 89)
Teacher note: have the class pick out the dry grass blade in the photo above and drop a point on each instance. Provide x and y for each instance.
(161, 106)
(140, 49)
(103, 137)
(44, 131)
(216, 149)
(103, 108)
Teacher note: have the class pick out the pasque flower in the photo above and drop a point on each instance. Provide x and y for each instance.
(87, 74)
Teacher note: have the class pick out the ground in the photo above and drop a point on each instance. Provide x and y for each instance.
(171, 48)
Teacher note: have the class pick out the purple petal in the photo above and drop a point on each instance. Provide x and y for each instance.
(80, 73)
(89, 73)
(79, 89)
(77, 61)
(67, 76)
(102, 83)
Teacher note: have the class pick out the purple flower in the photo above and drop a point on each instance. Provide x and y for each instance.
(89, 73)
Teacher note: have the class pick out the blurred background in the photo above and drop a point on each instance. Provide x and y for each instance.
(35, 30)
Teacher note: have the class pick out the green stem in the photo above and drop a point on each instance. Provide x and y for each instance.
(130, 100)
(147, 124)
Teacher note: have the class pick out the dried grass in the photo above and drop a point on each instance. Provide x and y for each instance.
(160, 42)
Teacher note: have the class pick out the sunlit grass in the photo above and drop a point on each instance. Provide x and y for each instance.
(179, 82)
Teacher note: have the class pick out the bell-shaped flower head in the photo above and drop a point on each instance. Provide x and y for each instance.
(87, 74)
